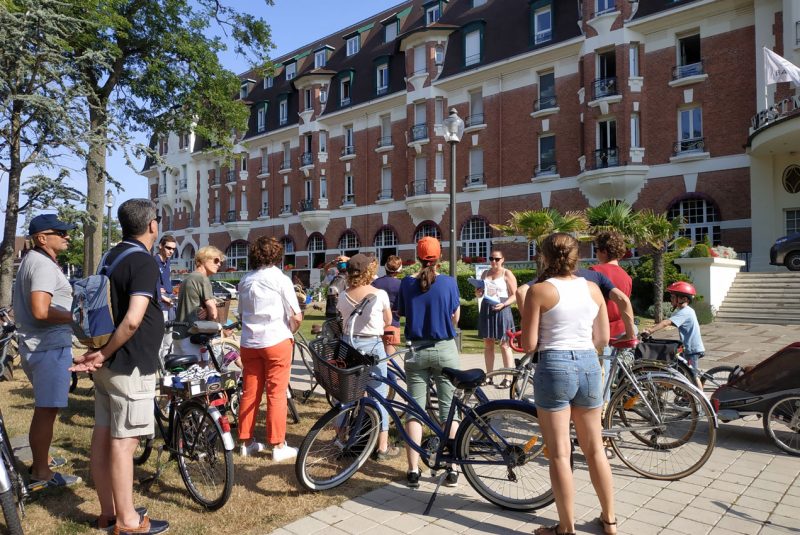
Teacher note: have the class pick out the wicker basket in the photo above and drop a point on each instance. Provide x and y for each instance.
(346, 383)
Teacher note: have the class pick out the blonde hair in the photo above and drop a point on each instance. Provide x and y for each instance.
(365, 277)
(206, 253)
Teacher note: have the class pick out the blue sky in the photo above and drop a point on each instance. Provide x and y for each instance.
(293, 22)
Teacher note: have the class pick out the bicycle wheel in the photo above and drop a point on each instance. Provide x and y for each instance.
(507, 464)
(782, 424)
(205, 465)
(337, 446)
(715, 378)
(302, 353)
(143, 451)
(670, 439)
(292, 406)
(221, 347)
(11, 512)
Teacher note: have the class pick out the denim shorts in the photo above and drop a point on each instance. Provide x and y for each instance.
(564, 378)
(692, 359)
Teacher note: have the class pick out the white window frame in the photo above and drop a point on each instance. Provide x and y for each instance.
(386, 180)
(385, 237)
(633, 60)
(348, 241)
(790, 214)
(323, 187)
(433, 14)
(268, 82)
(427, 229)
(264, 160)
(287, 198)
(345, 86)
(262, 118)
(283, 111)
(349, 186)
(353, 45)
(472, 57)
(382, 77)
(291, 71)
(478, 3)
(323, 141)
(349, 137)
(704, 219)
(420, 59)
(687, 117)
(476, 238)
(543, 32)
(636, 134)
(605, 6)
(308, 189)
(308, 101)
(388, 36)
(320, 58)
(264, 203)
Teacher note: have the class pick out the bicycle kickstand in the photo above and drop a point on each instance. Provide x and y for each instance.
(436, 491)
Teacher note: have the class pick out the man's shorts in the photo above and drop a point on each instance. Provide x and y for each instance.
(48, 372)
(391, 335)
(124, 403)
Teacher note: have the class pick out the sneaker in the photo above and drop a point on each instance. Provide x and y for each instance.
(246, 450)
(412, 480)
(451, 479)
(283, 453)
(146, 526)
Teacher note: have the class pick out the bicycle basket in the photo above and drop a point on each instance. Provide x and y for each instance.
(655, 349)
(332, 329)
(340, 368)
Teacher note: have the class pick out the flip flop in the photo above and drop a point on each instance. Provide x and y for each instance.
(107, 524)
(58, 480)
(56, 462)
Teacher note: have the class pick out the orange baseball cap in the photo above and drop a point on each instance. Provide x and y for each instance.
(429, 248)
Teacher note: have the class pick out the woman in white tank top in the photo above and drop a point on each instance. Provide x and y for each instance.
(565, 318)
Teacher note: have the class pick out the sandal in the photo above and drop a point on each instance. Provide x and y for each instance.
(603, 525)
(551, 530)
(105, 523)
(505, 383)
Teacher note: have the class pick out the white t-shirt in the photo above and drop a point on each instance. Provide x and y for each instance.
(370, 323)
(266, 302)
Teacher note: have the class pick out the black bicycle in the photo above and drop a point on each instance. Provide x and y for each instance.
(8, 345)
(191, 419)
(13, 491)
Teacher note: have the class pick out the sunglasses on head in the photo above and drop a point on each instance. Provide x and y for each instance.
(493, 259)
(59, 233)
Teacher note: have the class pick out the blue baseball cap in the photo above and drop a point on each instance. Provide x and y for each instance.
(43, 222)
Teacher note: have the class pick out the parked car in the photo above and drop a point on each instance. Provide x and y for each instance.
(786, 252)
(225, 290)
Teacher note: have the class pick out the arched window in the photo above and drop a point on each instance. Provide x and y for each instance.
(236, 255)
(476, 238)
(385, 244)
(427, 229)
(348, 243)
(700, 219)
(316, 248)
(187, 257)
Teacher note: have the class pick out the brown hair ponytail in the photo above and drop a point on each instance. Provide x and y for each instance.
(427, 275)
(559, 256)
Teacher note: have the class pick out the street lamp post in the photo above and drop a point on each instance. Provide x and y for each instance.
(109, 204)
(453, 131)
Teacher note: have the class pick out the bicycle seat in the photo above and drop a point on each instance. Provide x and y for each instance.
(200, 339)
(466, 379)
(180, 361)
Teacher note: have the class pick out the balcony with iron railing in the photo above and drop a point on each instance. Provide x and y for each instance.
(286, 165)
(547, 167)
(690, 69)
(306, 159)
(263, 213)
(419, 132)
(385, 194)
(604, 87)
(417, 187)
(286, 210)
(545, 102)
(344, 101)
(305, 205)
(384, 141)
(348, 150)
(231, 176)
(608, 157)
(474, 120)
(474, 180)
(231, 216)
(348, 199)
(684, 146)
(382, 91)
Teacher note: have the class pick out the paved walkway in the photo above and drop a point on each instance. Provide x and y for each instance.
(748, 486)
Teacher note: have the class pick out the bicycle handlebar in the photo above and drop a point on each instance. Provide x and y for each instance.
(169, 324)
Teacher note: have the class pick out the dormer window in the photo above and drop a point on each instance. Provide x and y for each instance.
(261, 117)
(268, 82)
(291, 71)
(542, 23)
(320, 58)
(353, 44)
(243, 91)
(390, 31)
(344, 90)
(433, 13)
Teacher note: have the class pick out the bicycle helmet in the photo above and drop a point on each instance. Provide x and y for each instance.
(682, 288)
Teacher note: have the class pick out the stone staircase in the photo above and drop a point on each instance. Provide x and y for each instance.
(762, 298)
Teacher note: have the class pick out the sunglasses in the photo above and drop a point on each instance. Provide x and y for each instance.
(158, 219)
(59, 233)
(217, 261)
(492, 259)
(168, 248)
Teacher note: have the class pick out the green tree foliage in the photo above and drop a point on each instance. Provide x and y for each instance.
(535, 225)
(643, 275)
(616, 216)
(42, 116)
(163, 75)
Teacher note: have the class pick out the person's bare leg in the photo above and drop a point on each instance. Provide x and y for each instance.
(589, 430)
(40, 436)
(508, 355)
(488, 354)
(414, 430)
(99, 465)
(383, 441)
(121, 469)
(555, 430)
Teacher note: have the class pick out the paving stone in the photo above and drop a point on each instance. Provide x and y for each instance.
(733, 524)
(456, 523)
(703, 516)
(643, 488)
(665, 506)
(755, 503)
(649, 516)
(686, 525)
(769, 495)
(306, 525)
(787, 510)
(713, 493)
(636, 527)
(356, 524)
(748, 514)
(332, 515)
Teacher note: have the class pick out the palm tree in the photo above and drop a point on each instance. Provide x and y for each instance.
(535, 225)
(616, 216)
(659, 233)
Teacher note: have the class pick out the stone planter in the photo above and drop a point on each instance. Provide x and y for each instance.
(712, 277)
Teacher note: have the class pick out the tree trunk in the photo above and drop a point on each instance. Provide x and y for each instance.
(12, 212)
(658, 284)
(95, 190)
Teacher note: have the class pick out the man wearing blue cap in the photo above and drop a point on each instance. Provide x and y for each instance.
(42, 301)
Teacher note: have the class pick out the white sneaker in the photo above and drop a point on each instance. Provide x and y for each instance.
(254, 447)
(283, 453)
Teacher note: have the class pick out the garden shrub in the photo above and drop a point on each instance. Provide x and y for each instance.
(642, 275)
(703, 310)
(701, 250)
(469, 314)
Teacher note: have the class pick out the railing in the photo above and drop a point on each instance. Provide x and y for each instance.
(231, 217)
(384, 141)
(286, 209)
(545, 168)
(263, 212)
(348, 150)
(545, 103)
(382, 90)
(475, 179)
(345, 101)
(473, 120)
(286, 164)
(608, 157)
(419, 131)
(261, 127)
(183, 184)
(306, 205)
(473, 59)
(543, 36)
(418, 187)
(306, 158)
(283, 120)
(611, 7)
(422, 70)
(385, 194)
(215, 178)
(696, 144)
(162, 189)
(690, 69)
(232, 176)
(348, 199)
(604, 87)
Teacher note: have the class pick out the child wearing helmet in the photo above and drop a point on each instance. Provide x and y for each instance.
(683, 317)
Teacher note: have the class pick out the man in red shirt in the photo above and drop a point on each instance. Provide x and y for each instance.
(610, 248)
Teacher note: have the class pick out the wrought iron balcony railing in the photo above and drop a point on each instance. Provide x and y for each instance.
(419, 131)
(306, 205)
(545, 168)
(604, 87)
(690, 69)
(348, 199)
(162, 189)
(417, 187)
(385, 194)
(286, 209)
(232, 176)
(306, 158)
(475, 179)
(231, 217)
(348, 150)
(474, 119)
(697, 144)
(183, 184)
(384, 141)
(608, 157)
(545, 103)
(285, 164)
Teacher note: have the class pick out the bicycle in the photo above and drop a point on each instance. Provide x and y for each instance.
(8, 345)
(196, 431)
(497, 444)
(13, 491)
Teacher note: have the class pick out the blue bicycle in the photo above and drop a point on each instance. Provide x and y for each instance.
(498, 444)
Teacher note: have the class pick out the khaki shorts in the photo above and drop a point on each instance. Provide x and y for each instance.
(124, 403)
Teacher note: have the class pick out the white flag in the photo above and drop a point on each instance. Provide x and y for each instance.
(779, 69)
